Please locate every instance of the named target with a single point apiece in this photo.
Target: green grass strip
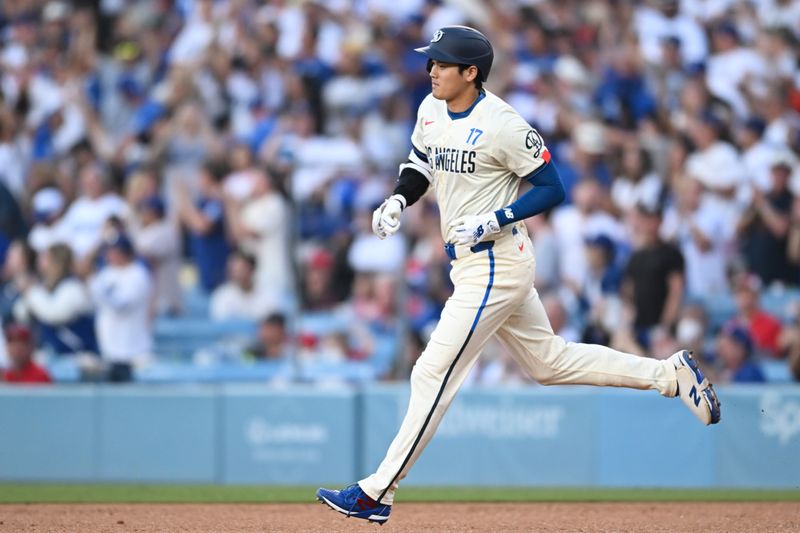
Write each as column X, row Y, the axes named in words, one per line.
column 116, row 493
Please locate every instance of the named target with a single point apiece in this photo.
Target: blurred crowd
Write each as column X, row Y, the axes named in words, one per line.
column 156, row 149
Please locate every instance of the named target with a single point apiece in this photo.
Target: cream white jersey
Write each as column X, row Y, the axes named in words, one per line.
column 474, row 160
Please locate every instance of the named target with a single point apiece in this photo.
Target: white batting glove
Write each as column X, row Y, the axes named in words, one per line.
column 386, row 218
column 473, row 229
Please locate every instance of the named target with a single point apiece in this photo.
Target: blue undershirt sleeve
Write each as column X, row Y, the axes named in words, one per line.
column 547, row 192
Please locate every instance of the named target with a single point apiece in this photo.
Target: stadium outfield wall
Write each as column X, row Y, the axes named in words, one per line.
column 524, row 436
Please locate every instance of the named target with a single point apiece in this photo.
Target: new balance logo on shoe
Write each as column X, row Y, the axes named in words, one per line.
column 694, row 396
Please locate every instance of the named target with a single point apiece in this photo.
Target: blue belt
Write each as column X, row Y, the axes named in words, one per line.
column 450, row 249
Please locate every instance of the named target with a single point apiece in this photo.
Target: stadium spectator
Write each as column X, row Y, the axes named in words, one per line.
column 764, row 228
column 157, row 241
column 763, row 328
column 239, row 185
column 716, row 164
column 19, row 269
column 653, row 281
column 657, row 20
column 369, row 314
column 19, row 343
column 793, row 238
column 188, row 139
column 12, row 223
column 668, row 77
column 83, row 222
column 383, row 132
column 757, row 157
column 789, row 340
column 546, row 248
column 734, row 349
column 239, row 298
column 585, row 160
column 48, row 207
column 59, row 305
column 694, row 225
column 273, row 343
column 622, row 95
column 318, row 291
column 205, row 223
column 141, row 184
column 603, row 276
column 636, row 180
column 733, row 71
column 691, row 332
column 12, row 153
column 261, row 226
column 773, row 107
column 121, row 291
column 318, row 158
column 3, row 353
column 598, row 298
column 574, row 223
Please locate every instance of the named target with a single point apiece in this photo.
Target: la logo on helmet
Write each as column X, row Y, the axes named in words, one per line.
column 437, row 36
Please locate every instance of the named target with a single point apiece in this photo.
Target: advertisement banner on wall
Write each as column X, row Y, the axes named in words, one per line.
column 493, row 437
column 294, row 436
column 760, row 439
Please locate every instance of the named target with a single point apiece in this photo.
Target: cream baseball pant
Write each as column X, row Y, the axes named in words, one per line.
column 494, row 295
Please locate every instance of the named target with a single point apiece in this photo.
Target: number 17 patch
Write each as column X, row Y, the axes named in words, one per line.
column 474, row 133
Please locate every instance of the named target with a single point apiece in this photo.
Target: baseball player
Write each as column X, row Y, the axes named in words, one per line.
column 473, row 149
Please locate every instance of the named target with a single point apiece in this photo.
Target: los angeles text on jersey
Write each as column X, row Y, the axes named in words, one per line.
column 451, row 159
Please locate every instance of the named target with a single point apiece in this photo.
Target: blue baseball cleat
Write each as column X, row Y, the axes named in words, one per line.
column 352, row 501
column 694, row 388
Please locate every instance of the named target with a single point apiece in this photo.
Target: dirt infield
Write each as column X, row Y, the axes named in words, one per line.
column 540, row 517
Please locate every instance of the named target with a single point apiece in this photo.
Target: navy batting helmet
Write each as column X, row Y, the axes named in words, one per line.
column 461, row 45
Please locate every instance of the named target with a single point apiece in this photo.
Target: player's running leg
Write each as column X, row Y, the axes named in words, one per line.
column 550, row 360
column 479, row 304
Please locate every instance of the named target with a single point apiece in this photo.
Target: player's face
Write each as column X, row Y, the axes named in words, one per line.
column 447, row 83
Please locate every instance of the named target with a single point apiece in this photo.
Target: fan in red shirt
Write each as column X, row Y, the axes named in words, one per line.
column 20, row 352
column 762, row 326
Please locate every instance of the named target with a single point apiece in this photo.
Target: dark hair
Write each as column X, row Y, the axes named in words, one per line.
column 61, row 259
column 248, row 258
column 84, row 145
column 275, row 319
column 477, row 81
column 217, row 169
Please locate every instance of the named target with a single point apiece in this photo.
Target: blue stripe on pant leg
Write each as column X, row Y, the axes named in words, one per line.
column 447, row 376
